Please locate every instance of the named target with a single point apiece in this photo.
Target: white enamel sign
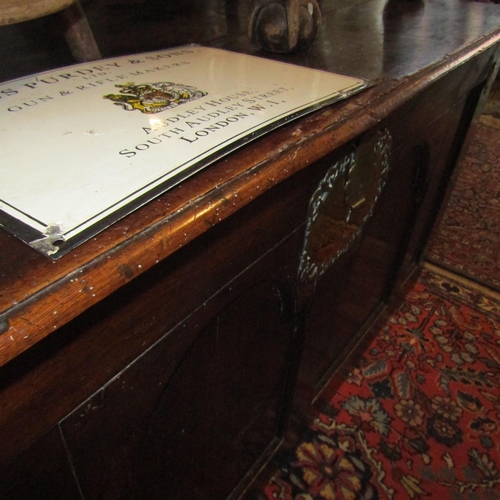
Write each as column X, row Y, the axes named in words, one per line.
column 82, row 146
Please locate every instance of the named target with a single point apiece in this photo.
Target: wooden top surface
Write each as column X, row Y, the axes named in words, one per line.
column 402, row 48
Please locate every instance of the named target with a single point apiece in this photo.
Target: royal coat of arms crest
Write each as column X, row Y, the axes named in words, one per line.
column 154, row 97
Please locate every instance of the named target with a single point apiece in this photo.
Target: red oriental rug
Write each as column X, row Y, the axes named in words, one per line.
column 419, row 417
column 467, row 240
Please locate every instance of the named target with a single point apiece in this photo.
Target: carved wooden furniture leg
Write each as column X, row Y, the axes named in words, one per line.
column 284, row 25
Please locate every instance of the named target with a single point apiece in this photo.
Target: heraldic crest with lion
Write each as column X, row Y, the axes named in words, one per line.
column 154, row 97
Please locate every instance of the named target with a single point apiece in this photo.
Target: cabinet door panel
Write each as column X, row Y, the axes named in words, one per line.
column 42, row 472
column 210, row 389
column 353, row 289
column 229, row 409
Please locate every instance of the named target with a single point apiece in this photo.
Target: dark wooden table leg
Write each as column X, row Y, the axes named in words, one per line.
column 79, row 34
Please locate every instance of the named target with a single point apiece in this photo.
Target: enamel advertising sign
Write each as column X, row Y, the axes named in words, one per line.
column 83, row 146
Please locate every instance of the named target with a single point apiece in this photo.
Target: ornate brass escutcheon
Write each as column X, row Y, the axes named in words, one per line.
column 343, row 203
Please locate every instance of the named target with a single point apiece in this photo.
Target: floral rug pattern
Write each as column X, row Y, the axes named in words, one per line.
column 467, row 240
column 419, row 417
